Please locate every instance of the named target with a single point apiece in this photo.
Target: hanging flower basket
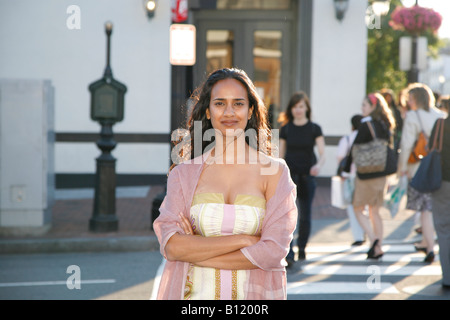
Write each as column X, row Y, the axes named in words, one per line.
column 415, row 20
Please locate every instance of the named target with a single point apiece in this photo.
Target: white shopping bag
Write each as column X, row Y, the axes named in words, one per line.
column 395, row 194
column 337, row 193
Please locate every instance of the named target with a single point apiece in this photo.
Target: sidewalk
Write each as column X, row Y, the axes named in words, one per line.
column 72, row 210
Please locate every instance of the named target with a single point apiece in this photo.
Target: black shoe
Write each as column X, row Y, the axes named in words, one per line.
column 371, row 252
column 357, row 243
column 429, row 258
column 375, row 257
column 420, row 249
column 301, row 255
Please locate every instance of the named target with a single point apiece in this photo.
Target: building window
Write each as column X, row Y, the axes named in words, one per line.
column 219, row 51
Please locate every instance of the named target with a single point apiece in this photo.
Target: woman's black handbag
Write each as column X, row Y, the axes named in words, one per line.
column 428, row 177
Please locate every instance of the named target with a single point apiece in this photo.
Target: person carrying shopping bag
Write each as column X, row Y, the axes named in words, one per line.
column 418, row 123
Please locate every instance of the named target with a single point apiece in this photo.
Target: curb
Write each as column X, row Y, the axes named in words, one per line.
column 70, row 245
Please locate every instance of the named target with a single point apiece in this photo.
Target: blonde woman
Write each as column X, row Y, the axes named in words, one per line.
column 421, row 117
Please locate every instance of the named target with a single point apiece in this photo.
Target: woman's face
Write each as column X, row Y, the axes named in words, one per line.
column 299, row 110
column 229, row 108
column 412, row 102
column 366, row 108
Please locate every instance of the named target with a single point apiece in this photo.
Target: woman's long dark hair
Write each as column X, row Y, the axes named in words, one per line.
column 201, row 99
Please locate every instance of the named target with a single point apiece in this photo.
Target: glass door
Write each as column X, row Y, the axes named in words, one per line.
column 259, row 48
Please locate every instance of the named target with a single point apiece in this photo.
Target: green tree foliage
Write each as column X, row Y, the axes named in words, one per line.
column 383, row 55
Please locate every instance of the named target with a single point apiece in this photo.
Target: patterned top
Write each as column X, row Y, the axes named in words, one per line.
column 211, row 217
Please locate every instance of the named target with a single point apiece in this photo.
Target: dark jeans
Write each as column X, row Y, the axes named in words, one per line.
column 306, row 188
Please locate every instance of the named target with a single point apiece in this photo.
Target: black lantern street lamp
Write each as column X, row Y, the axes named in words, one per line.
column 340, row 7
column 107, row 103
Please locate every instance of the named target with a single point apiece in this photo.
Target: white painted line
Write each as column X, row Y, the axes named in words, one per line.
column 157, row 280
column 349, row 257
column 335, row 249
column 399, row 248
column 395, row 270
column 331, row 287
column 52, row 283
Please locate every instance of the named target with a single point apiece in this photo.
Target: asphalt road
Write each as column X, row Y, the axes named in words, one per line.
column 106, row 275
column 331, row 272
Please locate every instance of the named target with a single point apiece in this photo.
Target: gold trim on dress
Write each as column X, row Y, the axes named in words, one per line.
column 234, row 288
column 217, row 276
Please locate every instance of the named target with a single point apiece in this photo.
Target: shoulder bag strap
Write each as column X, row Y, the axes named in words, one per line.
column 438, row 135
column 441, row 134
column 369, row 124
column 420, row 122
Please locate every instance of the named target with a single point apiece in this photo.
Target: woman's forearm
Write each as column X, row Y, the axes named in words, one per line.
column 189, row 248
column 235, row 260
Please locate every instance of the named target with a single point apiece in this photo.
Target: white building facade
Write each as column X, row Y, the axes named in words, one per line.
column 296, row 45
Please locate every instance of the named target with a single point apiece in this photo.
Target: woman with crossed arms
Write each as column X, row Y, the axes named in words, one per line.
column 227, row 221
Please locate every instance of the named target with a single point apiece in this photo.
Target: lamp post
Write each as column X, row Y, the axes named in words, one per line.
column 413, row 74
column 107, row 103
column 150, row 7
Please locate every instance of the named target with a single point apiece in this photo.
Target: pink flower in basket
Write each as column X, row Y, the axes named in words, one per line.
column 415, row 20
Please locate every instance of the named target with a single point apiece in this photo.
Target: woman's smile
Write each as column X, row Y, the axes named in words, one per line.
column 229, row 123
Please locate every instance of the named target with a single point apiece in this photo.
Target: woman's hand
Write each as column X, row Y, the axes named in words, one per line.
column 185, row 225
column 314, row 171
column 403, row 173
column 217, row 252
column 188, row 230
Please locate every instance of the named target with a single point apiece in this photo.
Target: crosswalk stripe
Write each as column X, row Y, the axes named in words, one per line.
column 394, row 270
column 335, row 287
column 387, row 257
column 402, row 248
column 339, row 260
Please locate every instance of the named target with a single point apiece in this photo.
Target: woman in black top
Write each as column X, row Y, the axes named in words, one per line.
column 298, row 137
column 370, row 187
column 441, row 204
